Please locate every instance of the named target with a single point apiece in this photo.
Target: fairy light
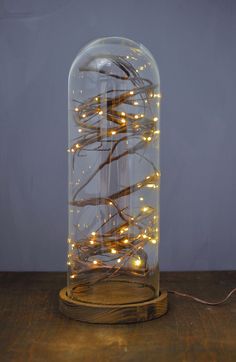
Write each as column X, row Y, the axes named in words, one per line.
column 137, row 262
column 121, row 232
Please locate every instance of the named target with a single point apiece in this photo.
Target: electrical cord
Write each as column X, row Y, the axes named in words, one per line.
column 202, row 301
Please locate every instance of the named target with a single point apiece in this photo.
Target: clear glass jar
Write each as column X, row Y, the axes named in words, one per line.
column 114, row 175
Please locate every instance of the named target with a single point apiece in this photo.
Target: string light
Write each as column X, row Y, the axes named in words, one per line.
column 128, row 228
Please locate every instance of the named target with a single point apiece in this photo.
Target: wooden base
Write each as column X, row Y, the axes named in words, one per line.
column 113, row 313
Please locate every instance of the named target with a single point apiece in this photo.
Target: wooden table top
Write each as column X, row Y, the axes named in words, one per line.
column 32, row 328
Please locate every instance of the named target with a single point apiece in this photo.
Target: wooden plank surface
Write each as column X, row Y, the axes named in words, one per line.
column 32, row 328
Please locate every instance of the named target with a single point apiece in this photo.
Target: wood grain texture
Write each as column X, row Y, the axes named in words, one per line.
column 113, row 313
column 33, row 329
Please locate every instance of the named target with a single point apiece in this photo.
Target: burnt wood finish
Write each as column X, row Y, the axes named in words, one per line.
column 113, row 313
column 33, row 329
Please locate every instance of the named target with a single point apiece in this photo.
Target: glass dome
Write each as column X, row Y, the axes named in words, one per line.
column 114, row 174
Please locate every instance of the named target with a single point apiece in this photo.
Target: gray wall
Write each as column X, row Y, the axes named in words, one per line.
column 194, row 44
